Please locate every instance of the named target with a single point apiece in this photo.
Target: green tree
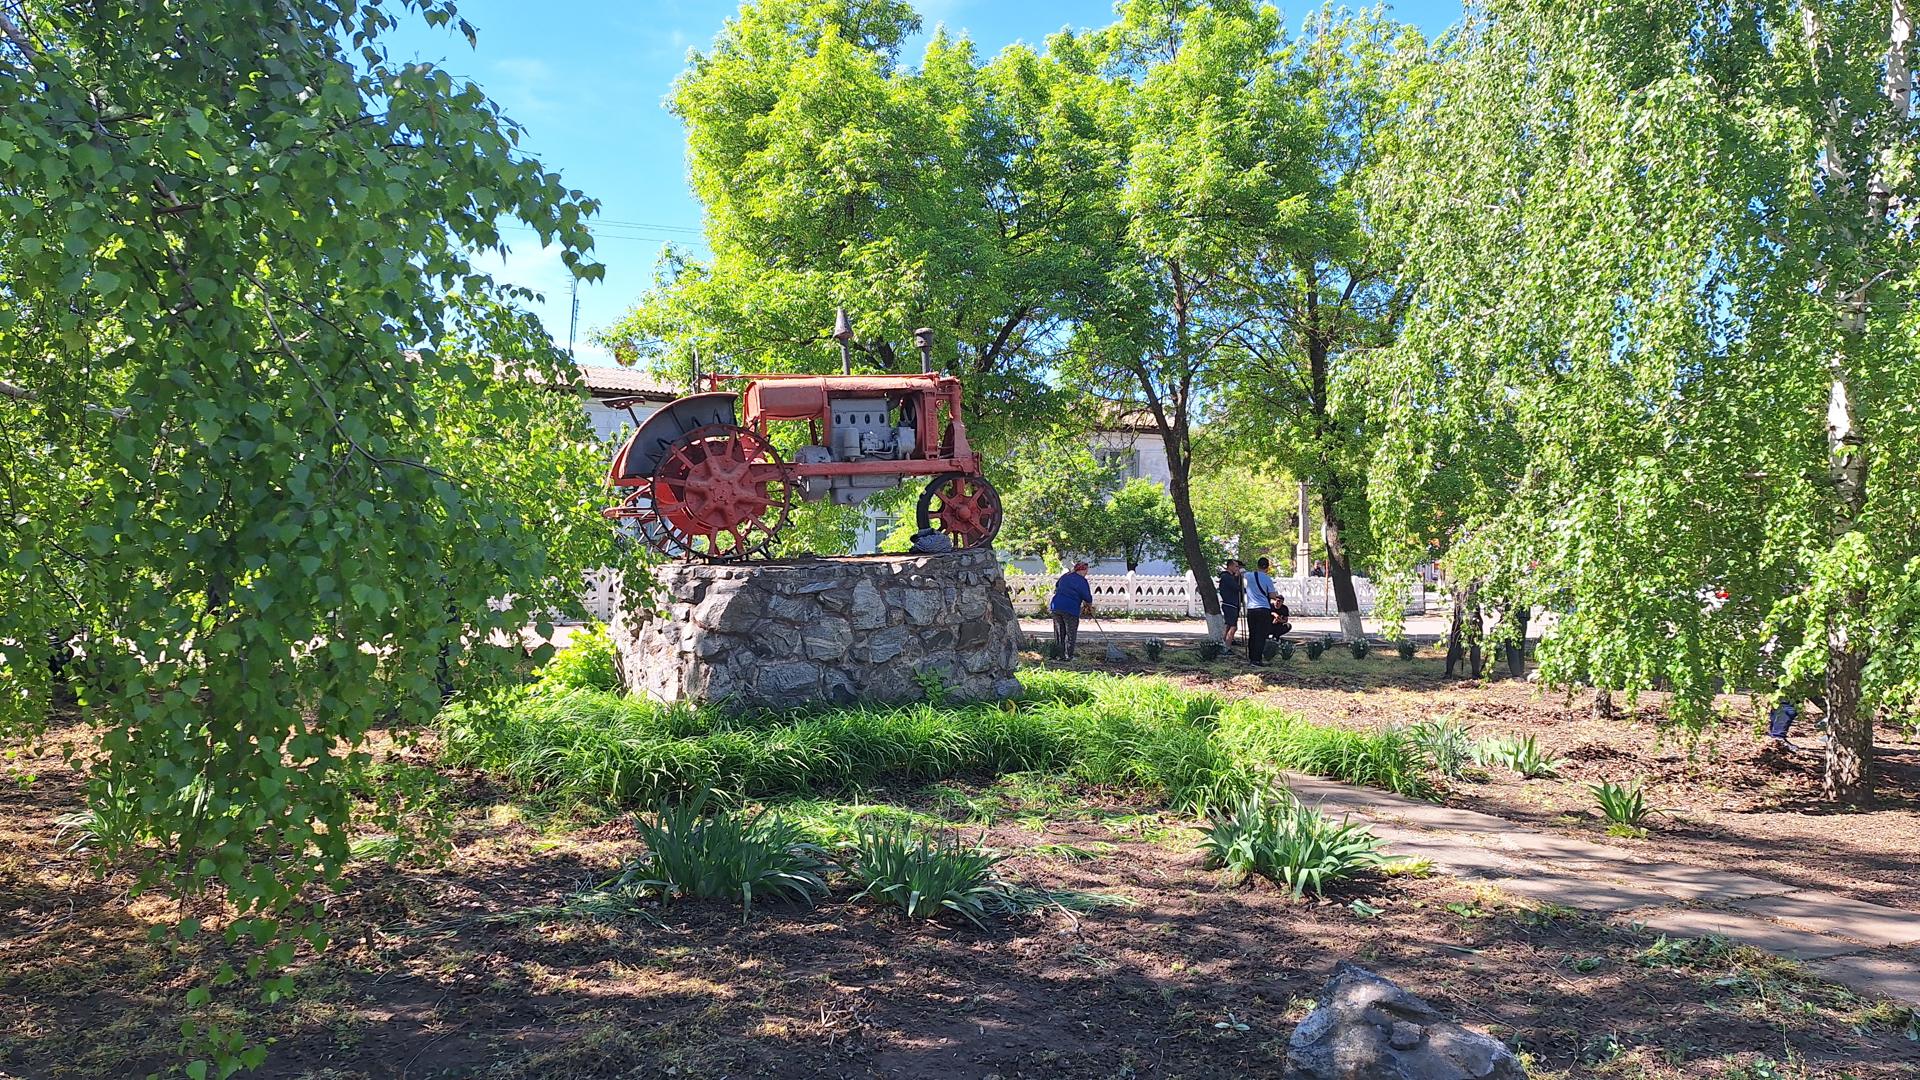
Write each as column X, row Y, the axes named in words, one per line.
column 1138, row 523
column 1328, row 291
column 1216, row 165
column 1659, row 354
column 1054, row 499
column 950, row 195
column 273, row 460
column 1244, row 511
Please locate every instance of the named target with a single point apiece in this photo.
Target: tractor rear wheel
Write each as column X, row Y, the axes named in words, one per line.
column 721, row 494
column 966, row 508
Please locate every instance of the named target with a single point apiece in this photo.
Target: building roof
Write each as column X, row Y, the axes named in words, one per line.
column 607, row 382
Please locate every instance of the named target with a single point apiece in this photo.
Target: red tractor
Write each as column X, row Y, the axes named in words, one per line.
column 702, row 479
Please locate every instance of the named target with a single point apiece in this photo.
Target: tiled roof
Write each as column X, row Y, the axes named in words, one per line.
column 625, row 382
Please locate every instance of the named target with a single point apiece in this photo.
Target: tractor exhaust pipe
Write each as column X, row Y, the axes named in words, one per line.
column 843, row 333
column 923, row 340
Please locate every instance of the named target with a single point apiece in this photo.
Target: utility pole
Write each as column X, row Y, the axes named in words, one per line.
column 573, row 324
column 1302, row 551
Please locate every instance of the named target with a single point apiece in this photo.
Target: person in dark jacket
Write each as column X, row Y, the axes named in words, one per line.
column 1072, row 595
column 1232, row 596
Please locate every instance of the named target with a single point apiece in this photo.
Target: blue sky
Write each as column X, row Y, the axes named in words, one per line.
column 587, row 79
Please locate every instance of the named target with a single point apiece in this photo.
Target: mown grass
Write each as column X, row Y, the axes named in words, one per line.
column 1193, row 750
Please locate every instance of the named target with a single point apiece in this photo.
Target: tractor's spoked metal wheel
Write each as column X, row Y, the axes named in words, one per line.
column 966, row 508
column 638, row 518
column 721, row 494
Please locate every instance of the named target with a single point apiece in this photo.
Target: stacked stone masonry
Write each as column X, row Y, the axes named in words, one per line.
column 835, row 630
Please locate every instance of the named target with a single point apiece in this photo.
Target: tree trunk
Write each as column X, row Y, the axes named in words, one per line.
column 1178, row 486
column 1603, row 704
column 1455, row 632
column 1849, row 763
column 1476, row 662
column 1516, row 649
column 1345, row 600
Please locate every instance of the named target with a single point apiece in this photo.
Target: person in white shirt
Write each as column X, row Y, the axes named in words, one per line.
column 1260, row 596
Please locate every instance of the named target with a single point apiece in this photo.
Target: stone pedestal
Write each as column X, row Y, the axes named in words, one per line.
column 809, row 630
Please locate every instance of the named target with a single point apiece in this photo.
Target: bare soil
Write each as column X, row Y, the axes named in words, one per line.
column 456, row 971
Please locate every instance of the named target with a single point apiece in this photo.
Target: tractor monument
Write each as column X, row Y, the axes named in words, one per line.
column 701, row 482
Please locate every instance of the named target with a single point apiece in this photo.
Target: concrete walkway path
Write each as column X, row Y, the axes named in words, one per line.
column 1863, row 946
column 1419, row 628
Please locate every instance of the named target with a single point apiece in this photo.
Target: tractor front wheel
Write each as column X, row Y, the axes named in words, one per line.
column 966, row 508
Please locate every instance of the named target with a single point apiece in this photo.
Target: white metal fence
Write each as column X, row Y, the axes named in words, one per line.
column 1138, row 594
column 1177, row 594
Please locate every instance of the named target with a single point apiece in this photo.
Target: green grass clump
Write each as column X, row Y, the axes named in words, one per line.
column 1146, row 735
column 1270, row 833
column 1447, row 744
column 724, row 856
column 1624, row 805
column 1259, row 735
column 928, row 876
column 585, row 664
column 1523, row 755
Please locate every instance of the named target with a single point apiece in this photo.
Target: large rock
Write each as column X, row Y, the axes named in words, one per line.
column 798, row 631
column 1368, row 1028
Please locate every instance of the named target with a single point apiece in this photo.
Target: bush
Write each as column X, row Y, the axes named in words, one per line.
column 1358, row 647
column 585, row 664
column 1210, row 651
column 926, row 877
column 1154, row 647
column 1626, row 807
column 1271, row 649
column 1404, row 648
column 1257, row 735
column 1286, row 649
column 1271, row 834
column 1446, row 744
column 725, row 856
column 1315, row 648
column 1522, row 755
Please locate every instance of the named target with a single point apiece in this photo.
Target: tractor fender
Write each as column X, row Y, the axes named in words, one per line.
column 639, row 457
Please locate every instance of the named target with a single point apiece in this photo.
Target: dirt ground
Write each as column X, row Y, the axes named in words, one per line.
column 473, row 969
column 1732, row 798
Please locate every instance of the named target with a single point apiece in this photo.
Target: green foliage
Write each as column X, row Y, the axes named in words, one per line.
column 1154, row 647
column 927, row 876
column 1137, row 524
column 1054, row 498
column 1404, row 649
column 1624, row 805
column 1316, row 648
column 1136, row 734
column 1615, row 392
column 1286, row 649
column 723, row 856
column 1243, row 510
column 274, row 456
column 585, row 664
column 1270, row 833
column 1261, row 736
column 1523, row 755
column 1359, row 647
column 1446, row 744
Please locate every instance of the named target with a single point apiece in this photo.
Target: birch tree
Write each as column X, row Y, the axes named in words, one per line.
column 1662, row 346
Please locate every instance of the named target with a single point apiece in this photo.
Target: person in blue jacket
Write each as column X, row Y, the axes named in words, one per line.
column 1072, row 596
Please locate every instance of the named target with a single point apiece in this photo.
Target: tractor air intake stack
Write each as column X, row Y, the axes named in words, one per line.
column 923, row 340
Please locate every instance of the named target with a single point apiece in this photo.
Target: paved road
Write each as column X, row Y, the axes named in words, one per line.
column 1857, row 944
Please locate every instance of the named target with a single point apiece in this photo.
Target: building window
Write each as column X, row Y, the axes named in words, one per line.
column 1123, row 460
